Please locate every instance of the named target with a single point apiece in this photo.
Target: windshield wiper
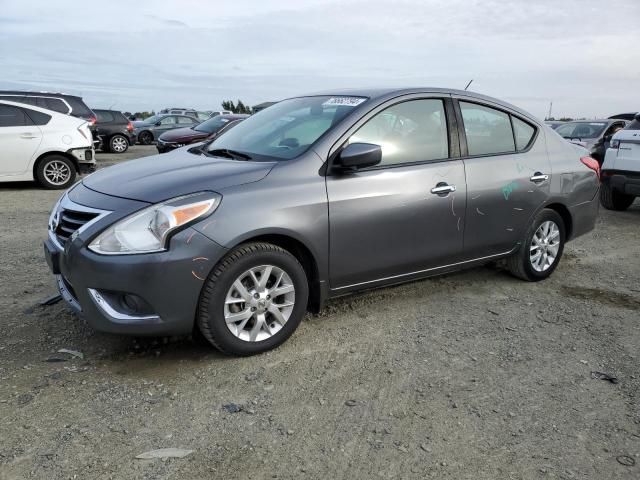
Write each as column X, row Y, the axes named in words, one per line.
column 228, row 153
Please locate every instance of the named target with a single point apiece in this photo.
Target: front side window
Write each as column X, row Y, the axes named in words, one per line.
column 523, row 132
column 288, row 128
column 12, row 117
column 488, row 130
column 168, row 121
column 413, row 131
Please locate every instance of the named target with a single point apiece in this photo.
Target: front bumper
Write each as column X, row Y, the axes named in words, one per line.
column 624, row 182
column 144, row 294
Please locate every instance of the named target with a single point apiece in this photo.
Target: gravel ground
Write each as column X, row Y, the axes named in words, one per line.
column 474, row 375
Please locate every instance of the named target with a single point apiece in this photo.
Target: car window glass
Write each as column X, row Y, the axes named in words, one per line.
column 168, row 121
column 412, row 131
column 581, row 129
column 28, row 100
column 488, row 130
column 523, row 132
column 183, row 120
column 56, row 105
column 12, row 117
column 38, row 118
column 104, row 117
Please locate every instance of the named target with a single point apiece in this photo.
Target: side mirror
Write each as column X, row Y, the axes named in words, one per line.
column 358, row 155
column 157, row 124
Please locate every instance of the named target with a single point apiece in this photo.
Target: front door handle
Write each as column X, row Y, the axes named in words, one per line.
column 442, row 188
column 539, row 177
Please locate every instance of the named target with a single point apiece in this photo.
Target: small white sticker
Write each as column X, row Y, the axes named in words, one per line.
column 344, row 101
column 596, row 124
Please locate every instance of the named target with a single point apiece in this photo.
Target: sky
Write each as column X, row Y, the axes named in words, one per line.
column 582, row 55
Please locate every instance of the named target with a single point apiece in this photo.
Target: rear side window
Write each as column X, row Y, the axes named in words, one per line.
column 186, row 120
column 13, row 117
column 408, row 132
column 488, row 130
column 56, row 105
column 104, row 117
column 168, row 121
column 523, row 132
column 38, row 118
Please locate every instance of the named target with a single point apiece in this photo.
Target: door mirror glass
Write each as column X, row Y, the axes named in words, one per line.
column 359, row 155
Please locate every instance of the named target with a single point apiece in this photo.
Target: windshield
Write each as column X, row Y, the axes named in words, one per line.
column 153, row 119
column 212, row 125
column 581, row 129
column 286, row 129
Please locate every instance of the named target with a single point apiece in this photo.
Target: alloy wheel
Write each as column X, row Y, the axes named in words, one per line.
column 544, row 247
column 259, row 303
column 57, row 172
column 118, row 144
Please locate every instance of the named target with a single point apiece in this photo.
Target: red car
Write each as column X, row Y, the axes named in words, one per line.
column 206, row 130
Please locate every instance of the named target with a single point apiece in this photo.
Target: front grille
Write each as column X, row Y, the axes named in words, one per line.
column 69, row 222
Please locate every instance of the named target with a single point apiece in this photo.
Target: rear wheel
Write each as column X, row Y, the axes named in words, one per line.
column 541, row 248
column 55, row 172
column 145, row 138
column 613, row 200
column 253, row 300
column 118, row 144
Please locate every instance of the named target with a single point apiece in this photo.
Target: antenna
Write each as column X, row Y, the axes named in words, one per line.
column 468, row 84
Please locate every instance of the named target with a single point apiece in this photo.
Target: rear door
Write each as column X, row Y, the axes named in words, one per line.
column 507, row 170
column 387, row 221
column 19, row 138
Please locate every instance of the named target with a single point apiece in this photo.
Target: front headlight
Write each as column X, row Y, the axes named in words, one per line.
column 148, row 230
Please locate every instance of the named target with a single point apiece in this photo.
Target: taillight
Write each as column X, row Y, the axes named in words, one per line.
column 130, row 127
column 592, row 163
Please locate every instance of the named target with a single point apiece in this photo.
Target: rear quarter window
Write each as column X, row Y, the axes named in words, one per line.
column 56, row 104
column 79, row 109
column 523, row 132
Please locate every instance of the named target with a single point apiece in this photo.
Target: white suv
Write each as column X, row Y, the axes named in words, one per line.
column 621, row 168
column 43, row 145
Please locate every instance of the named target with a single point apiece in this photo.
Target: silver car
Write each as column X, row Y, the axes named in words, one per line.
column 313, row 198
column 148, row 130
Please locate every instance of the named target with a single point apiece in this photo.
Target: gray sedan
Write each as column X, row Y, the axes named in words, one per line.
column 316, row 197
column 148, row 130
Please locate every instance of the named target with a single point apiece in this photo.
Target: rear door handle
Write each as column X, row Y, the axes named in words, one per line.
column 539, row 177
column 28, row 135
column 443, row 188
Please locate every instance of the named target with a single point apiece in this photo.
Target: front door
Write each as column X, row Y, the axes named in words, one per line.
column 19, row 139
column 405, row 215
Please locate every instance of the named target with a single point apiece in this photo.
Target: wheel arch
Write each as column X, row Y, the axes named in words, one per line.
column 68, row 156
column 303, row 254
column 565, row 214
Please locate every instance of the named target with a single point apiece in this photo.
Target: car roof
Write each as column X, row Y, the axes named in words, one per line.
column 37, row 109
column 36, row 94
column 389, row 93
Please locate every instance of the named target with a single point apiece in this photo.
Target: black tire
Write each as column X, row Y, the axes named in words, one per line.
column 519, row 264
column 59, row 162
column 145, row 138
column 210, row 314
column 118, row 144
column 612, row 200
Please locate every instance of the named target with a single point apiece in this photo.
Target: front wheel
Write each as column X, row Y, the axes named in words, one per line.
column 613, row 200
column 253, row 300
column 145, row 138
column 55, row 172
column 541, row 248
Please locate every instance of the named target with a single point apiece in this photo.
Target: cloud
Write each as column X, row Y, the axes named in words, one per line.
column 574, row 53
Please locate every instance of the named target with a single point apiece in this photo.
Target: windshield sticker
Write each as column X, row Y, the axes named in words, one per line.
column 597, row 124
column 344, row 101
column 224, row 120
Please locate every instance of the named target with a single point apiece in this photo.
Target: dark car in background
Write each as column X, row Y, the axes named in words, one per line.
column 114, row 131
column 209, row 129
column 594, row 135
column 149, row 130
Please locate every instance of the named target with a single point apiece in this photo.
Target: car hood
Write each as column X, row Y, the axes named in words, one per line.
column 181, row 134
column 161, row 177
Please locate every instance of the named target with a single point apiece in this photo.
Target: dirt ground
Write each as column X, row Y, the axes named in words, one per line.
column 474, row 375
